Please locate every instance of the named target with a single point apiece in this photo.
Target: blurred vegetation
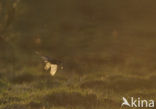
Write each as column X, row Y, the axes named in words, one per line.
column 107, row 48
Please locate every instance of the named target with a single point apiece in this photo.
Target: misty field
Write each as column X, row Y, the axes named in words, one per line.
column 107, row 49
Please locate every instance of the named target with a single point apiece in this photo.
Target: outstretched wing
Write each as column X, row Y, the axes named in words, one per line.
column 45, row 59
column 53, row 69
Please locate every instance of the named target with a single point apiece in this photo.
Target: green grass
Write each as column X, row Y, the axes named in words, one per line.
column 35, row 90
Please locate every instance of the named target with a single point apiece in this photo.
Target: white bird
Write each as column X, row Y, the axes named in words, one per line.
column 125, row 102
column 52, row 67
column 50, row 64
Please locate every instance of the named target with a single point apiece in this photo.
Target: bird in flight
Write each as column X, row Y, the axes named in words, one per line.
column 50, row 64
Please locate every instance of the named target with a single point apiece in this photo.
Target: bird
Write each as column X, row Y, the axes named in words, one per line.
column 50, row 64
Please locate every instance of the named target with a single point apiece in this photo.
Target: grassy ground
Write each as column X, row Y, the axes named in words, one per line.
column 30, row 87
